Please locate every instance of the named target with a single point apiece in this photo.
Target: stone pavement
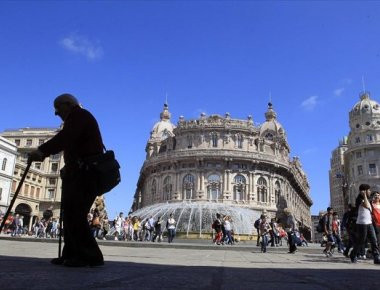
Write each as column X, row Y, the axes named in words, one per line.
column 24, row 264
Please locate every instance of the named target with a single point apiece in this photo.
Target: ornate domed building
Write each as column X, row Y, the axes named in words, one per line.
column 362, row 159
column 220, row 164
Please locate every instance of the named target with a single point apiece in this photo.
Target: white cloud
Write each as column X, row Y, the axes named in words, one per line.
column 81, row 45
column 310, row 103
column 338, row 92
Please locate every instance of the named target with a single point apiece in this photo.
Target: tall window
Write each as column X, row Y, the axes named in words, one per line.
column 188, row 186
column 277, row 192
column 50, row 193
column 167, row 188
column 4, row 164
column 239, row 187
column 357, row 140
column 213, row 187
column 1, row 193
column 26, row 189
column 372, row 169
column 54, row 167
column 17, row 141
column 189, row 141
column 32, row 191
column 41, row 141
column 360, row 170
column 153, row 189
column 14, row 185
column 214, row 138
column 28, row 142
column 240, row 141
column 358, row 154
column 38, row 192
column 369, row 138
column 262, row 190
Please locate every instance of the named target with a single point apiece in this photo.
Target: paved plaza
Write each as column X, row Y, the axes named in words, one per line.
column 183, row 265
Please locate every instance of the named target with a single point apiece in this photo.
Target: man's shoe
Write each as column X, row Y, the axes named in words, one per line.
column 57, row 261
column 75, row 263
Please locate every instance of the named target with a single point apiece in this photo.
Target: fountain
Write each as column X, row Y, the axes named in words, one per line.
column 197, row 217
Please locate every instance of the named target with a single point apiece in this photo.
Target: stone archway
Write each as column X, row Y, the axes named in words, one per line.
column 24, row 210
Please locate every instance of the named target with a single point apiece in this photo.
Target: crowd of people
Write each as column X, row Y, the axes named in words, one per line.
column 360, row 228
column 356, row 236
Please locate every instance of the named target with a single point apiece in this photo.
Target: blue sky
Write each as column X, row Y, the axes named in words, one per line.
column 120, row 58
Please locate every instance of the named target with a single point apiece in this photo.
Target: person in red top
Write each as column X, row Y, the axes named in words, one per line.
column 79, row 138
column 376, row 214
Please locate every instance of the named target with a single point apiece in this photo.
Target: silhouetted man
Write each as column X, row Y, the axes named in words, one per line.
column 79, row 138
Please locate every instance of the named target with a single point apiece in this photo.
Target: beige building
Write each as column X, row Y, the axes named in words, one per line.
column 362, row 159
column 362, row 151
column 220, row 160
column 42, row 186
column 8, row 154
column 337, row 178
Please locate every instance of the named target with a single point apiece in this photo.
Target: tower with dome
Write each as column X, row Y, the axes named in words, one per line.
column 359, row 159
column 220, row 164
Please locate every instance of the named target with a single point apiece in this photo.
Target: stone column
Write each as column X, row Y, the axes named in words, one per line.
column 177, row 186
column 228, row 180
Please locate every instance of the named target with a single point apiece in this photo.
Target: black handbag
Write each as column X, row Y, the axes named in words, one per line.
column 104, row 170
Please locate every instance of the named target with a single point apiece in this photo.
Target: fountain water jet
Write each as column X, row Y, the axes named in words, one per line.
column 197, row 217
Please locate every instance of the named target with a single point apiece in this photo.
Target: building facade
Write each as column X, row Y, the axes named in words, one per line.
column 337, row 179
column 8, row 154
column 362, row 152
column 218, row 159
column 42, row 185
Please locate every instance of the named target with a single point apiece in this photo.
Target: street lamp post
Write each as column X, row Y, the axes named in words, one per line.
column 345, row 188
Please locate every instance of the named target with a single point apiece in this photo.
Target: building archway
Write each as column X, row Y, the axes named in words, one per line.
column 24, row 210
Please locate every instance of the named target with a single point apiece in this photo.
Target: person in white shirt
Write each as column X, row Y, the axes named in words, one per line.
column 118, row 225
column 364, row 226
column 170, row 225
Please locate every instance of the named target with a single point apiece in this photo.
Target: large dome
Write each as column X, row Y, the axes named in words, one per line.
column 365, row 113
column 366, row 105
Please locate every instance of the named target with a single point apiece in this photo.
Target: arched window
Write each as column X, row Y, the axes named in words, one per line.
column 262, row 190
column 277, row 192
column 4, row 164
column 214, row 138
column 239, row 187
column 168, row 188
column 153, row 189
column 188, row 186
column 213, row 187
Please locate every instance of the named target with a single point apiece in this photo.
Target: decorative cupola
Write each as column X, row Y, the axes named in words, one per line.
column 271, row 127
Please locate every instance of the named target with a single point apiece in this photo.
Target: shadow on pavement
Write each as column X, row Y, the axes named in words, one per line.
column 34, row 273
